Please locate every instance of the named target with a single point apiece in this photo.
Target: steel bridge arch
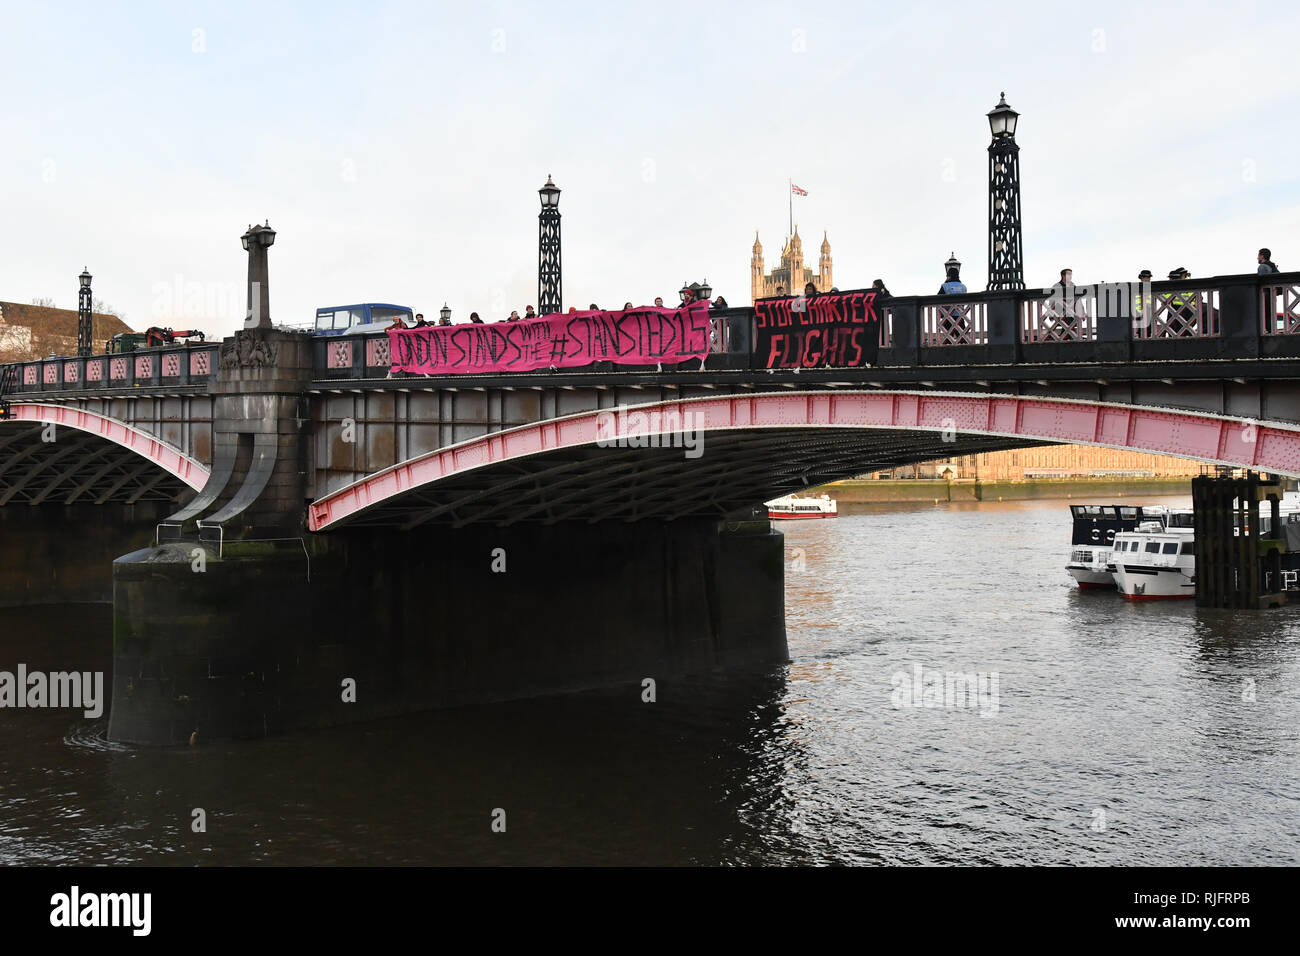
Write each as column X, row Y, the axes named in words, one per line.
column 1006, row 421
column 166, row 456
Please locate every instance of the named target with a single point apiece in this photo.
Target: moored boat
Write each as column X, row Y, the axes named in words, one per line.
column 793, row 506
column 1155, row 561
column 1095, row 528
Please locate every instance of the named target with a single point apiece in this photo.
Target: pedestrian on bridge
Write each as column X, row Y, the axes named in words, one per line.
column 473, row 317
column 1266, row 266
column 529, row 312
column 878, row 287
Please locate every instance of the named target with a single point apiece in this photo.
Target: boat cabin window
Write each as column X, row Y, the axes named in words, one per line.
column 1153, row 547
column 1128, row 514
column 1189, row 547
column 1171, row 547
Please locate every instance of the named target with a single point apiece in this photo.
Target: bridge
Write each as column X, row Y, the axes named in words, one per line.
column 299, row 466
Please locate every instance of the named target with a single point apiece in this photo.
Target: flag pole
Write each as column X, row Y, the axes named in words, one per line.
column 789, row 195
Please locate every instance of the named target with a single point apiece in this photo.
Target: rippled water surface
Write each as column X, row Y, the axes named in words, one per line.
column 1123, row 734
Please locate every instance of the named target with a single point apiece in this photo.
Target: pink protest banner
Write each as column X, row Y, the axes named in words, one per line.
column 644, row 336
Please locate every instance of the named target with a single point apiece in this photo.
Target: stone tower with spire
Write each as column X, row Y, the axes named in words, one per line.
column 791, row 274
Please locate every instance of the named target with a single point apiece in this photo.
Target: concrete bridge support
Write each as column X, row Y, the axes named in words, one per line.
column 249, row 644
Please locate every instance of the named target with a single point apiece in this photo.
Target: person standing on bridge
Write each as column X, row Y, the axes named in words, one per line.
column 529, row 312
column 1266, row 266
column 473, row 317
column 878, row 287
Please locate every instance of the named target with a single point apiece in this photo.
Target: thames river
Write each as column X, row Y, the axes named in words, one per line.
column 951, row 699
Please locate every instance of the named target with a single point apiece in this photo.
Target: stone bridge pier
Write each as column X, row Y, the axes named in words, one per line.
column 239, row 622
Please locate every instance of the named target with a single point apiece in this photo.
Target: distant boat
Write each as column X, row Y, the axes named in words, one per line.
column 792, row 506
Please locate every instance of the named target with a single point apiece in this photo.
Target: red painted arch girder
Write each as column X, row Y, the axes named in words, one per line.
column 165, row 455
column 1271, row 447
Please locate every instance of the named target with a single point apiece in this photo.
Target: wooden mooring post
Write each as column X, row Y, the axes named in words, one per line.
column 1235, row 566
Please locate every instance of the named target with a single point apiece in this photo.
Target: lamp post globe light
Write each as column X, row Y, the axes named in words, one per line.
column 952, row 263
column 84, row 315
column 256, row 241
column 444, row 314
column 1006, row 257
column 548, row 250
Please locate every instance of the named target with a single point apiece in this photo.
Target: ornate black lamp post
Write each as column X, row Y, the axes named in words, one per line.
column 84, row 315
column 1006, row 260
column 548, row 250
column 444, row 315
column 256, row 241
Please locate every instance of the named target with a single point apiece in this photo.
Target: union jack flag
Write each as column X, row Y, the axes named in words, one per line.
column 797, row 191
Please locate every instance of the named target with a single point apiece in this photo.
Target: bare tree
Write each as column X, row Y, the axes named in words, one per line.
column 103, row 308
column 44, row 301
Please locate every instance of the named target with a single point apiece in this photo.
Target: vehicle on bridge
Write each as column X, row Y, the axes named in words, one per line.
column 151, row 338
column 366, row 317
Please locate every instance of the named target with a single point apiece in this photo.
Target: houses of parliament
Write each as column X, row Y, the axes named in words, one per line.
column 789, row 278
column 791, row 275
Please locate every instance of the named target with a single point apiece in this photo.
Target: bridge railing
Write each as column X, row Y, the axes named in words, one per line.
column 1240, row 316
column 172, row 365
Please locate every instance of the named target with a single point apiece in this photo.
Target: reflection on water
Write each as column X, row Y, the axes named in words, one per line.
column 1125, row 733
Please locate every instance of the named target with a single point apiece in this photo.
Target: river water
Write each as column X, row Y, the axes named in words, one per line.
column 1101, row 732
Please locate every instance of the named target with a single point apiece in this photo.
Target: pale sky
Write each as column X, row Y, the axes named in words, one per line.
column 397, row 147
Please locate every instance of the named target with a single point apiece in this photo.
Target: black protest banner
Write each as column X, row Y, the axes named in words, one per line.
column 837, row 330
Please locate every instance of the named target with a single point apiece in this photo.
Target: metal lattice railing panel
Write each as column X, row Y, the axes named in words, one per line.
column 1069, row 317
column 378, row 352
column 95, row 370
column 1179, row 314
column 961, row 323
column 200, row 363
column 117, row 370
column 1279, row 312
column 29, row 375
column 70, row 372
column 144, row 366
column 339, row 355
column 171, row 365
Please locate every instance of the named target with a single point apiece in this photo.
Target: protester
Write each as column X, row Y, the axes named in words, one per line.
column 444, row 320
column 627, row 305
column 1266, row 266
column 780, row 290
column 529, row 313
column 809, row 290
column 878, row 286
column 419, row 321
column 473, row 317
column 594, row 307
column 513, row 316
column 719, row 303
column 954, row 285
column 659, row 302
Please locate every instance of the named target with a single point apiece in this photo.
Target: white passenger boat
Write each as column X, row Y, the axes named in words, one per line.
column 1095, row 527
column 1156, row 561
column 793, row 506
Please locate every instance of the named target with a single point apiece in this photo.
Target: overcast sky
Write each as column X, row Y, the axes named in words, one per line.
column 397, row 147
